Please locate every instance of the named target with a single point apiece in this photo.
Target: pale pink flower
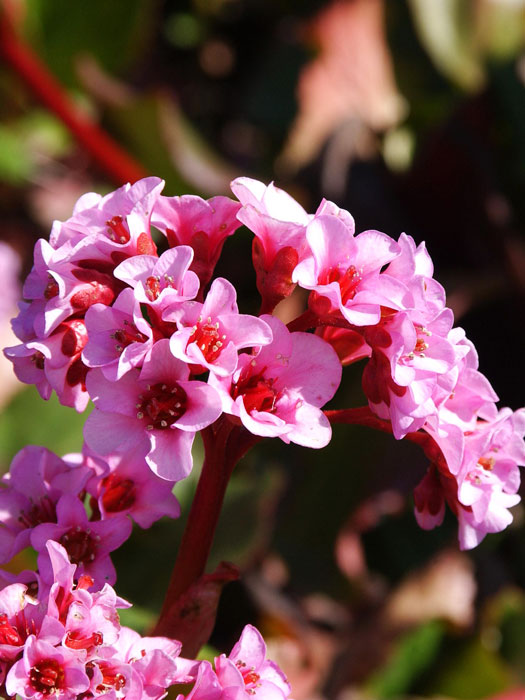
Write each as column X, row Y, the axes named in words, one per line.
column 344, row 272
column 157, row 410
column 202, row 224
column 46, row 670
column 248, row 668
column 119, row 336
column 211, row 334
column 278, row 392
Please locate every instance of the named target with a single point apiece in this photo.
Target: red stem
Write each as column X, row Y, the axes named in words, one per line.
column 108, row 155
column 364, row 416
column 224, row 445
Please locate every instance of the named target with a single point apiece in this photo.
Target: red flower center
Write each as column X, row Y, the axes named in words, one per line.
column 42, row 512
column 155, row 284
column 249, row 675
column 8, row 634
column 162, row 406
column 257, row 392
column 127, row 335
column 46, row 676
column 119, row 494
column 208, row 337
column 348, row 281
column 80, row 545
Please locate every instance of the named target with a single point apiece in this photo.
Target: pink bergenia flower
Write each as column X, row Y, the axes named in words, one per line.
column 118, row 221
column 489, row 476
column 157, row 410
column 211, row 334
column 279, row 391
column 88, row 544
column 119, row 336
column 160, row 282
column 129, row 487
column 401, row 376
column 247, row 668
column 37, row 479
column 46, row 670
column 20, row 616
column 202, row 224
column 344, row 272
column 278, row 223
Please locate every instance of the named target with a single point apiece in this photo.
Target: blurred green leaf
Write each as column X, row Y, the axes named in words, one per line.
column 473, row 672
column 413, row 654
column 114, row 32
column 139, row 619
column 30, row 420
column 16, row 165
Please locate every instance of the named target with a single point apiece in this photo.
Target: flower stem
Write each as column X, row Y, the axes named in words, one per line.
column 106, row 153
column 224, row 445
column 364, row 416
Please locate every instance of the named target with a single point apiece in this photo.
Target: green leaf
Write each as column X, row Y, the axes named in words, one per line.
column 30, row 420
column 413, row 654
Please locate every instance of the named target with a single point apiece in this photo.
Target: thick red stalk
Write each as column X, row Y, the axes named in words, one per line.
column 364, row 416
column 107, row 154
column 224, row 445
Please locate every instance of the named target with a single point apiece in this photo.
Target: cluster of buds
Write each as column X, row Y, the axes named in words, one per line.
column 135, row 321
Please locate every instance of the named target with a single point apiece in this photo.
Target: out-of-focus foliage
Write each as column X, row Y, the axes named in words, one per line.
column 409, row 113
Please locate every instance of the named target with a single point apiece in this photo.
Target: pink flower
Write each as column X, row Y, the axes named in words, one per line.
column 211, row 334
column 248, row 668
column 203, row 225
column 159, row 282
column 279, row 391
column 119, row 221
column 46, row 670
column 119, row 337
column 36, row 481
column 128, row 487
column 344, row 272
column 88, row 544
column 278, row 223
column 157, row 410
column 489, row 477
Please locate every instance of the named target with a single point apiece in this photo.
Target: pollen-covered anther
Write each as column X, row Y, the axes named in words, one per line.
column 117, row 229
column 207, row 337
column 487, row 463
column 421, row 346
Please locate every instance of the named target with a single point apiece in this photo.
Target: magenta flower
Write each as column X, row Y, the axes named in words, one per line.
column 203, row 225
column 211, row 334
column 117, row 222
column 344, row 272
column 157, row 410
column 279, row 391
column 119, row 337
column 88, row 544
column 278, row 223
column 36, row 481
column 46, row 670
column 248, row 668
column 129, row 488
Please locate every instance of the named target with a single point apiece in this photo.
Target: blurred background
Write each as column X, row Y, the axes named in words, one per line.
column 410, row 114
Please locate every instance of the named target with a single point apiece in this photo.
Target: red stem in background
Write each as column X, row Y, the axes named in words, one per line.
column 224, row 445
column 107, row 154
column 364, row 416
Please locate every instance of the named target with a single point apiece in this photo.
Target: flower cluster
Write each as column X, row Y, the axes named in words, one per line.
column 111, row 318
column 60, row 638
column 122, row 309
